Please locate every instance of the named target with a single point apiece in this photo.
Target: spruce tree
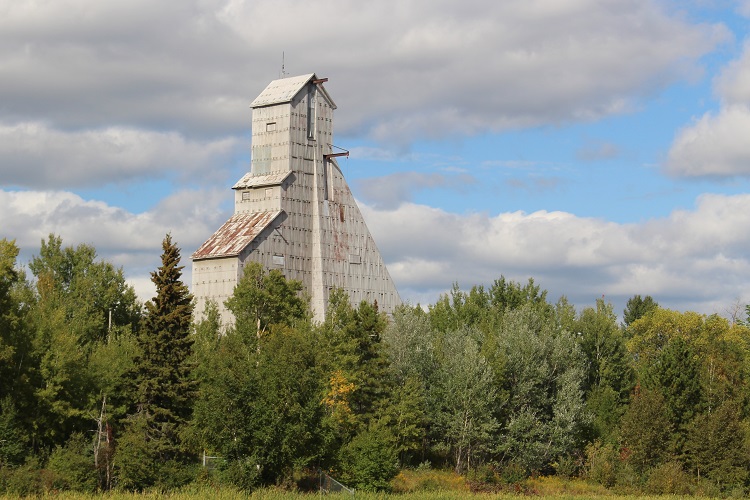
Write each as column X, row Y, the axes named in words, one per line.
column 164, row 389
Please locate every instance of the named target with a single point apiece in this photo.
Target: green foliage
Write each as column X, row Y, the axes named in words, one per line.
column 490, row 379
column 406, row 416
column 638, row 307
column 716, row 447
column 136, row 459
column 12, row 437
column 675, row 374
column 602, row 463
column 163, row 386
column 86, row 291
column 260, row 398
column 70, row 318
column 352, row 352
column 23, row 481
column 464, row 398
column 646, row 430
column 262, row 299
column 545, row 413
column 610, row 376
column 669, row 479
column 369, row 461
column 72, row 465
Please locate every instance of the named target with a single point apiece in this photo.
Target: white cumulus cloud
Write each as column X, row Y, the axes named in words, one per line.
column 716, row 144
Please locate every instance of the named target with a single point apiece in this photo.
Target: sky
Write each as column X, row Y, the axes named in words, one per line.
column 600, row 147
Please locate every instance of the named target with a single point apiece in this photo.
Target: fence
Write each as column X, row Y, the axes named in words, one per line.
column 330, row 485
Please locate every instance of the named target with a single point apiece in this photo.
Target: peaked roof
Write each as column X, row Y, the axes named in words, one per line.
column 284, row 89
column 235, row 235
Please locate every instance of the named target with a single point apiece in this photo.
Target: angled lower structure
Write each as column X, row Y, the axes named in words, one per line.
column 294, row 211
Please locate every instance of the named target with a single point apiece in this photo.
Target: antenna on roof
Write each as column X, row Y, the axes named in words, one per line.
column 283, row 73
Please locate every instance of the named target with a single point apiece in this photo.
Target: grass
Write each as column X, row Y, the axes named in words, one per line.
column 408, row 485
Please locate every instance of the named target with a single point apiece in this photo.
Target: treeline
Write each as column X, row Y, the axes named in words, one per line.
column 98, row 391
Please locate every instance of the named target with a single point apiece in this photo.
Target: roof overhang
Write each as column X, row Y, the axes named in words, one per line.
column 250, row 181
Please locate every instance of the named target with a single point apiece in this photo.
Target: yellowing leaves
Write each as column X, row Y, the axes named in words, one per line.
column 337, row 398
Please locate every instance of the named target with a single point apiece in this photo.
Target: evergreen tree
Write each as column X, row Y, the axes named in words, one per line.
column 716, row 448
column 646, row 430
column 677, row 376
column 638, row 307
column 164, row 389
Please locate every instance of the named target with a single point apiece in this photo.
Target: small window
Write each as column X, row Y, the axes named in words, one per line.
column 245, row 195
column 355, row 258
column 269, row 192
column 271, row 127
column 278, row 260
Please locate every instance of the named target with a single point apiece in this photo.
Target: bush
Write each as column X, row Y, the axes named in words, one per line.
column 244, row 473
column 25, row 480
column 602, row 463
column 669, row 479
column 369, row 462
column 513, row 473
column 72, row 466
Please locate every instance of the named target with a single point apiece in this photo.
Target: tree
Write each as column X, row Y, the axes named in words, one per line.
column 716, row 447
column 638, row 307
column 260, row 404
column 351, row 348
column 18, row 367
column 463, row 399
column 262, row 299
column 610, row 377
column 368, row 461
column 676, row 375
column 545, row 415
column 76, row 295
column 646, row 430
column 164, row 389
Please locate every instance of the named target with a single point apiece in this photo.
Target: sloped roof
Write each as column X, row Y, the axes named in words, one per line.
column 284, row 89
column 250, row 180
column 235, row 235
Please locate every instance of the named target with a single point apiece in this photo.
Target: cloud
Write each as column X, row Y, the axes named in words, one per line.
column 597, row 151
column 401, row 71
column 130, row 240
column 692, row 260
column 35, row 155
column 389, row 191
column 733, row 83
column 716, row 144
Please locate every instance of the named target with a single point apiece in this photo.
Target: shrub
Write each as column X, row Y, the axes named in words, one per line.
column 669, row 479
column 25, row 480
column 602, row 463
column 513, row 473
column 369, row 461
column 72, row 466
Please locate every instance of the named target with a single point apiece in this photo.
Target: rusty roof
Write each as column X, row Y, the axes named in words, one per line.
column 284, row 90
column 250, row 180
column 235, row 235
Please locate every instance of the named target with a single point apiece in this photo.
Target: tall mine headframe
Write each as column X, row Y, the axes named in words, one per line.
column 294, row 210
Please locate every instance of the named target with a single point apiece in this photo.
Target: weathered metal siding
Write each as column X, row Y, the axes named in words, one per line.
column 215, row 279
